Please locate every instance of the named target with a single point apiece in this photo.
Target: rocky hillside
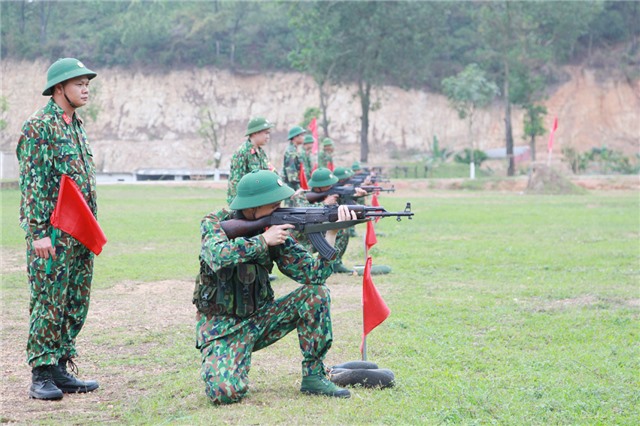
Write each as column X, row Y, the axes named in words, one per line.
column 146, row 119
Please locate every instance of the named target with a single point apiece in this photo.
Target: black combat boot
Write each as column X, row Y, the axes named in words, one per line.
column 42, row 385
column 67, row 382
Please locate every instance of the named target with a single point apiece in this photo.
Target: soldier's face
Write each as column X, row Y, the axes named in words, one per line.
column 261, row 138
column 297, row 140
column 77, row 90
column 266, row 210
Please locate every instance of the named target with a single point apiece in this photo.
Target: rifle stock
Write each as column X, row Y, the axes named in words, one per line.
column 313, row 221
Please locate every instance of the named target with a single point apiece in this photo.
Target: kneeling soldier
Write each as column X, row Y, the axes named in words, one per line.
column 237, row 311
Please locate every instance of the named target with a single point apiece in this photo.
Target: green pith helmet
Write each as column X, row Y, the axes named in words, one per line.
column 258, row 124
column 356, row 166
column 308, row 139
column 63, row 70
column 327, row 142
column 295, row 131
column 342, row 173
column 259, row 188
column 322, row 177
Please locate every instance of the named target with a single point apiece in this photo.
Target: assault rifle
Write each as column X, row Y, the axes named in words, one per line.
column 346, row 193
column 359, row 178
column 312, row 221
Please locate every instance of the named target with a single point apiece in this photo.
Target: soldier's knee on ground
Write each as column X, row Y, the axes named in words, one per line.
column 226, row 393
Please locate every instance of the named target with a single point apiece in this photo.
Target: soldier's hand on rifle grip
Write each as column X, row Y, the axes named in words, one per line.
column 359, row 192
column 276, row 234
column 331, row 200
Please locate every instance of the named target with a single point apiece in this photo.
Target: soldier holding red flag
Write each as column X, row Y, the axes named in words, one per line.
column 54, row 143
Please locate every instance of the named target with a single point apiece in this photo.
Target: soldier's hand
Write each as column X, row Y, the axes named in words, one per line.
column 331, row 200
column 359, row 192
column 276, row 234
column 43, row 248
column 344, row 214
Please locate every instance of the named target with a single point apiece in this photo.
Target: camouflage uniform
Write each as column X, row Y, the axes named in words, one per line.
column 244, row 160
column 226, row 341
column 291, row 166
column 53, row 144
column 308, row 165
column 325, row 159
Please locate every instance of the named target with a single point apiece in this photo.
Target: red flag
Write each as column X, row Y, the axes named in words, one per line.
column 330, row 165
column 313, row 127
column 374, row 309
column 303, row 178
column 551, row 134
column 375, row 203
column 73, row 216
column 370, row 239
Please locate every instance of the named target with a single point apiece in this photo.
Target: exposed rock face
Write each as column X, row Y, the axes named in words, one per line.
column 148, row 119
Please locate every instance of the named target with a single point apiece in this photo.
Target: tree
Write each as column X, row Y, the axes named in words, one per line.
column 362, row 43
column 467, row 91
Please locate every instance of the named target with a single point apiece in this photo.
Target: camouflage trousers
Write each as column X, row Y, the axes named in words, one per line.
column 59, row 300
column 226, row 358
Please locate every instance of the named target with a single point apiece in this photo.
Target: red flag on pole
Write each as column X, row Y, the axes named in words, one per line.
column 73, row 216
column 370, row 239
column 551, row 134
column 375, row 203
column 313, row 127
column 374, row 309
column 302, row 177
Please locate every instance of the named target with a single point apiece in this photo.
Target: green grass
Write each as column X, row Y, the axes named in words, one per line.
column 506, row 309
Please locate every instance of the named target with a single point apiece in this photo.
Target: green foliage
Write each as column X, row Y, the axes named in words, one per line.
column 601, row 160
column 466, row 157
column 469, row 90
column 4, row 108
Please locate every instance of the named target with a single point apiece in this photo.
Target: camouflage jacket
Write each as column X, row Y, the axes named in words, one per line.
column 219, row 252
column 291, row 166
column 245, row 159
column 325, row 160
column 308, row 165
column 52, row 145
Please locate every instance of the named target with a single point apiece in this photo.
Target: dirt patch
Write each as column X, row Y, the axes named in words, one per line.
column 124, row 322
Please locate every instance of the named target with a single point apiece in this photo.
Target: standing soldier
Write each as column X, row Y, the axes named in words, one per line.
column 305, row 155
column 250, row 156
column 325, row 157
column 292, row 158
column 54, row 143
column 237, row 311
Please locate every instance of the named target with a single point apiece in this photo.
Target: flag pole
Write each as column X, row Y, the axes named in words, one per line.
column 366, row 254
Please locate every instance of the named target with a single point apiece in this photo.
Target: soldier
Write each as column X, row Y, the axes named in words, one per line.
column 250, row 155
column 343, row 174
column 321, row 181
column 54, row 143
column 325, row 157
column 305, row 155
column 237, row 311
column 291, row 161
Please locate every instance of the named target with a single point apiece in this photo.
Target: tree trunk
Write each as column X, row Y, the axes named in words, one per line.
column 507, row 122
column 323, row 109
column 364, row 92
column 532, row 148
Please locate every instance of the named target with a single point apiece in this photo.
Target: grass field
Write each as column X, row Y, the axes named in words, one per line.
column 505, row 309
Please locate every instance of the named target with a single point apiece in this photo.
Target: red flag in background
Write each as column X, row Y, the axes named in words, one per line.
column 370, row 239
column 313, row 127
column 73, row 216
column 551, row 134
column 330, row 165
column 303, row 178
column 375, row 203
column 374, row 309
